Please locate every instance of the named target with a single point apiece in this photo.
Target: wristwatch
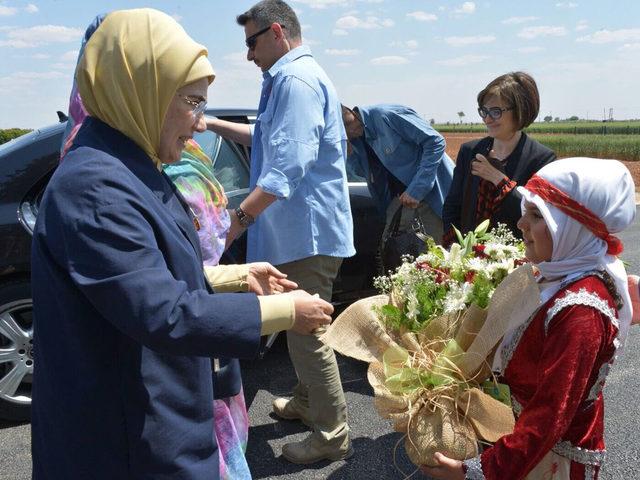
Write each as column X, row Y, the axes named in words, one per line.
column 245, row 219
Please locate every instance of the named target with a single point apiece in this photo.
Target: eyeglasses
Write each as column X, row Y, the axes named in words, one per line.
column 251, row 41
column 198, row 106
column 493, row 112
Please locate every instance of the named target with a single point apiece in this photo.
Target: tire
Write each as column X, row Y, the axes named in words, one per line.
column 16, row 350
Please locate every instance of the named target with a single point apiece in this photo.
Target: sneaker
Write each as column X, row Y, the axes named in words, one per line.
column 312, row 449
column 290, row 409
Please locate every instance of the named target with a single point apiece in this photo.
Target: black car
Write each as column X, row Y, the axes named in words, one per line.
column 26, row 165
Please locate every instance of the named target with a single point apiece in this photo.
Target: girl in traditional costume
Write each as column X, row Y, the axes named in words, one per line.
column 556, row 362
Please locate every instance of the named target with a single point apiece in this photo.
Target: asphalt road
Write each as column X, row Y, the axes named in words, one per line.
column 378, row 450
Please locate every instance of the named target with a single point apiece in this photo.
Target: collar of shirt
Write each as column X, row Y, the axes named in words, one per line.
column 369, row 132
column 289, row 57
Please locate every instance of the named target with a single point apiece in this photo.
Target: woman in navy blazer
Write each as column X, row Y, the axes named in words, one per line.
column 124, row 320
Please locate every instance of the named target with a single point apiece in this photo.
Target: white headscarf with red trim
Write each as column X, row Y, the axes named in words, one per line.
column 606, row 189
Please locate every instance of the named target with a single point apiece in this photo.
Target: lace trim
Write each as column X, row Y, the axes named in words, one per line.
column 582, row 297
column 580, row 455
column 510, row 347
column 589, row 473
column 474, row 469
column 516, row 406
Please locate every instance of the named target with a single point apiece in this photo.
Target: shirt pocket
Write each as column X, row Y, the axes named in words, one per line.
column 266, row 117
column 389, row 143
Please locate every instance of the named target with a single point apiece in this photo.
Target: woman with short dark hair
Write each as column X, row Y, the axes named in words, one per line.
column 488, row 170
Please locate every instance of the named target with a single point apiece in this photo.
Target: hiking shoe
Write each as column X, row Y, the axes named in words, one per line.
column 290, row 409
column 313, row 449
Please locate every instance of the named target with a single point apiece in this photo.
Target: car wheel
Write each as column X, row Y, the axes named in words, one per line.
column 16, row 350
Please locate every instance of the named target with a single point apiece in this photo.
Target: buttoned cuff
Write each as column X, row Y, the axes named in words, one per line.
column 228, row 278
column 278, row 313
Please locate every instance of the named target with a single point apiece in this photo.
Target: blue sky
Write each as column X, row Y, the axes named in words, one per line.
column 433, row 55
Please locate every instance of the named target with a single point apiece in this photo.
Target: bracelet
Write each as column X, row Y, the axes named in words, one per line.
column 244, row 218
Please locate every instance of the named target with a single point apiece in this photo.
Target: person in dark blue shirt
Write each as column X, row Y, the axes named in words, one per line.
column 404, row 162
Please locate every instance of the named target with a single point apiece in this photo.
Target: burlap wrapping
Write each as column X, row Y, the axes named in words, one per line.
column 442, row 327
column 442, row 430
column 471, row 323
column 357, row 332
column 450, row 423
column 514, row 300
column 489, row 418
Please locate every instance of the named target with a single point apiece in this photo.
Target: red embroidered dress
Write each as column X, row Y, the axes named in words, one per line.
column 555, row 365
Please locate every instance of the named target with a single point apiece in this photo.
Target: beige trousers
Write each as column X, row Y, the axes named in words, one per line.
column 431, row 221
column 319, row 388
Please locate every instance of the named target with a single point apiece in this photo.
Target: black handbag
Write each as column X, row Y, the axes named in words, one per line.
column 397, row 243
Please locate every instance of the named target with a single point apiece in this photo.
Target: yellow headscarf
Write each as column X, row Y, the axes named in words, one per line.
column 132, row 67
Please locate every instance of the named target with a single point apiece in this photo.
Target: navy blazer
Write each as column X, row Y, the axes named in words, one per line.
column 125, row 322
column 460, row 206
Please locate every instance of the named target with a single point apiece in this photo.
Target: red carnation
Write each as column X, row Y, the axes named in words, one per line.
column 479, row 251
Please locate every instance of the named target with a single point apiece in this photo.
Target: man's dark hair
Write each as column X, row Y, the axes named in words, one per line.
column 267, row 12
column 519, row 91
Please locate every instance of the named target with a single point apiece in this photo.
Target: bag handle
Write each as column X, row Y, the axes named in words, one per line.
column 395, row 222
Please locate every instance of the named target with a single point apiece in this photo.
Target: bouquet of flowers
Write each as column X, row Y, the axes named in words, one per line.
column 430, row 337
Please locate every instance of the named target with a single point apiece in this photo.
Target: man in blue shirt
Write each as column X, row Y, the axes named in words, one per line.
column 298, row 209
column 404, row 162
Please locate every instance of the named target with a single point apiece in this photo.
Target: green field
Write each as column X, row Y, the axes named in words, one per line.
column 620, row 147
column 581, row 127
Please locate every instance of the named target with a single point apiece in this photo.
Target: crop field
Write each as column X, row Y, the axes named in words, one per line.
column 612, row 139
column 621, row 147
column 631, row 127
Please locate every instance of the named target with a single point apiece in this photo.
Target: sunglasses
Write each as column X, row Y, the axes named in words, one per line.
column 493, row 112
column 251, row 41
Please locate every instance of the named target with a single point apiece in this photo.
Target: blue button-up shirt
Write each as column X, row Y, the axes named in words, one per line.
column 410, row 149
column 298, row 154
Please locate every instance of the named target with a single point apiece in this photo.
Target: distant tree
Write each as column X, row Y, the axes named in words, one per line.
column 11, row 133
column 557, row 119
column 573, row 118
column 548, row 118
column 432, row 121
column 461, row 114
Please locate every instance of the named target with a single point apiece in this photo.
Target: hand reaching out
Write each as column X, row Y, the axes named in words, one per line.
column 265, row 279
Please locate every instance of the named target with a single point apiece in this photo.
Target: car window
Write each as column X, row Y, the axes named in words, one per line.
column 230, row 169
column 229, row 166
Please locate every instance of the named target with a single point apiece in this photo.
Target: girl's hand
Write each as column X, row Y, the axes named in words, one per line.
column 447, row 468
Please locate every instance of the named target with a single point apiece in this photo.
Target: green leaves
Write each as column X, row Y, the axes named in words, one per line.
column 471, row 239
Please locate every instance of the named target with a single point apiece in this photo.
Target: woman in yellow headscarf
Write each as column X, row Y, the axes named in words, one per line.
column 124, row 321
